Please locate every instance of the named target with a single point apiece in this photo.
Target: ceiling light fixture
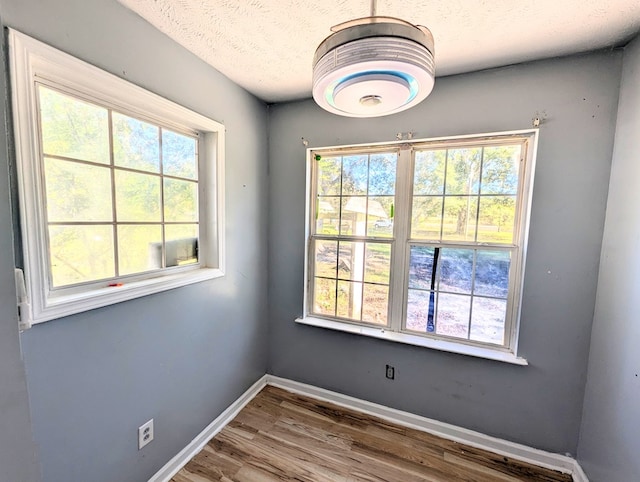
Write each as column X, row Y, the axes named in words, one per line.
column 373, row 66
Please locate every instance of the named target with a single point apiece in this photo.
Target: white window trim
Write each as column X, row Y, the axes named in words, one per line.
column 508, row 354
column 32, row 61
column 416, row 340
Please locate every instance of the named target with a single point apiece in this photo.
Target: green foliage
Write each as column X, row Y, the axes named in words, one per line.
column 463, row 171
column 473, row 173
column 81, row 253
column 179, row 155
column 429, row 172
column 135, row 243
column 426, row 217
column 328, row 172
column 135, row 143
column 137, row 197
column 77, row 191
column 354, row 175
column 180, row 200
column 354, row 192
column 73, row 128
column 500, row 170
column 382, row 174
column 377, row 267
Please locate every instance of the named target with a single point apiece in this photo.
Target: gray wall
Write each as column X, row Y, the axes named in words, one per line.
column 183, row 356
column 539, row 405
column 180, row 357
column 18, row 461
column 610, row 435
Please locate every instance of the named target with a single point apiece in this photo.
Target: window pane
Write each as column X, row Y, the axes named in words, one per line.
column 453, row 315
column 459, row 218
column 463, row 171
column 77, row 192
column 500, row 170
column 181, row 244
column 324, row 296
column 179, row 155
column 73, row 128
column 380, row 219
column 81, row 253
column 376, row 302
column 428, row 175
column 135, row 143
column 139, row 248
column 326, row 258
column 426, row 218
column 382, row 174
column 492, row 273
column 349, row 300
column 377, row 263
column 487, row 320
column 456, row 270
column 421, row 268
column 328, row 175
column 180, row 201
column 173, row 232
column 421, row 311
column 354, row 175
column 460, row 234
column 497, row 218
column 137, row 197
column 327, row 215
column 351, row 261
column 354, row 213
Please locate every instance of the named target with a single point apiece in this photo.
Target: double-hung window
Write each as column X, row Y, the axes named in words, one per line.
column 120, row 190
column 422, row 242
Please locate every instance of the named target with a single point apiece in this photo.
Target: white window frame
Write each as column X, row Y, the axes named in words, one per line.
column 33, row 62
column 398, row 285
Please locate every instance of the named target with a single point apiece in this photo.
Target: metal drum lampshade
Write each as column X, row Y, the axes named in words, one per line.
column 373, row 67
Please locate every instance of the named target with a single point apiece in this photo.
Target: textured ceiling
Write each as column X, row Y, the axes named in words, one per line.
column 267, row 46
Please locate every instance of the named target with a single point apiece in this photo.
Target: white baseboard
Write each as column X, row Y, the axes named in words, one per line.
column 561, row 463
column 174, row 465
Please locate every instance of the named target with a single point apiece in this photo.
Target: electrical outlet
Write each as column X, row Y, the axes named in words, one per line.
column 390, row 372
column 145, row 434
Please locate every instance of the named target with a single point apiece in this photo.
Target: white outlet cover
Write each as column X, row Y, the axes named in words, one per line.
column 145, row 434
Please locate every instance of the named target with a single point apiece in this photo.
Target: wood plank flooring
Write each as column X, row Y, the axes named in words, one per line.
column 283, row 436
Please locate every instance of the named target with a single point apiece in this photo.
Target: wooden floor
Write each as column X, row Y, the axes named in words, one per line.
column 282, row 436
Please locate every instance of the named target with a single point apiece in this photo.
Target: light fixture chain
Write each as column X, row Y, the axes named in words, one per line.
column 373, row 7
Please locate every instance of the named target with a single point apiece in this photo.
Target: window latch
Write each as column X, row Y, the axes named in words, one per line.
column 24, row 307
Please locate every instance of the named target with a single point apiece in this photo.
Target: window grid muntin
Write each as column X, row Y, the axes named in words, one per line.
column 163, row 246
column 512, row 250
column 527, row 140
column 110, row 108
column 67, row 88
column 122, row 168
column 444, row 190
column 478, row 196
column 339, row 237
column 114, row 211
column 473, row 245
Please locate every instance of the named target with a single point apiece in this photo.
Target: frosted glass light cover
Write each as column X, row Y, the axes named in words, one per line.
column 373, row 70
column 372, row 94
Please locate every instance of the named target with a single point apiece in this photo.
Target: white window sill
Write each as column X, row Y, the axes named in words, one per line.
column 442, row 345
column 60, row 306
